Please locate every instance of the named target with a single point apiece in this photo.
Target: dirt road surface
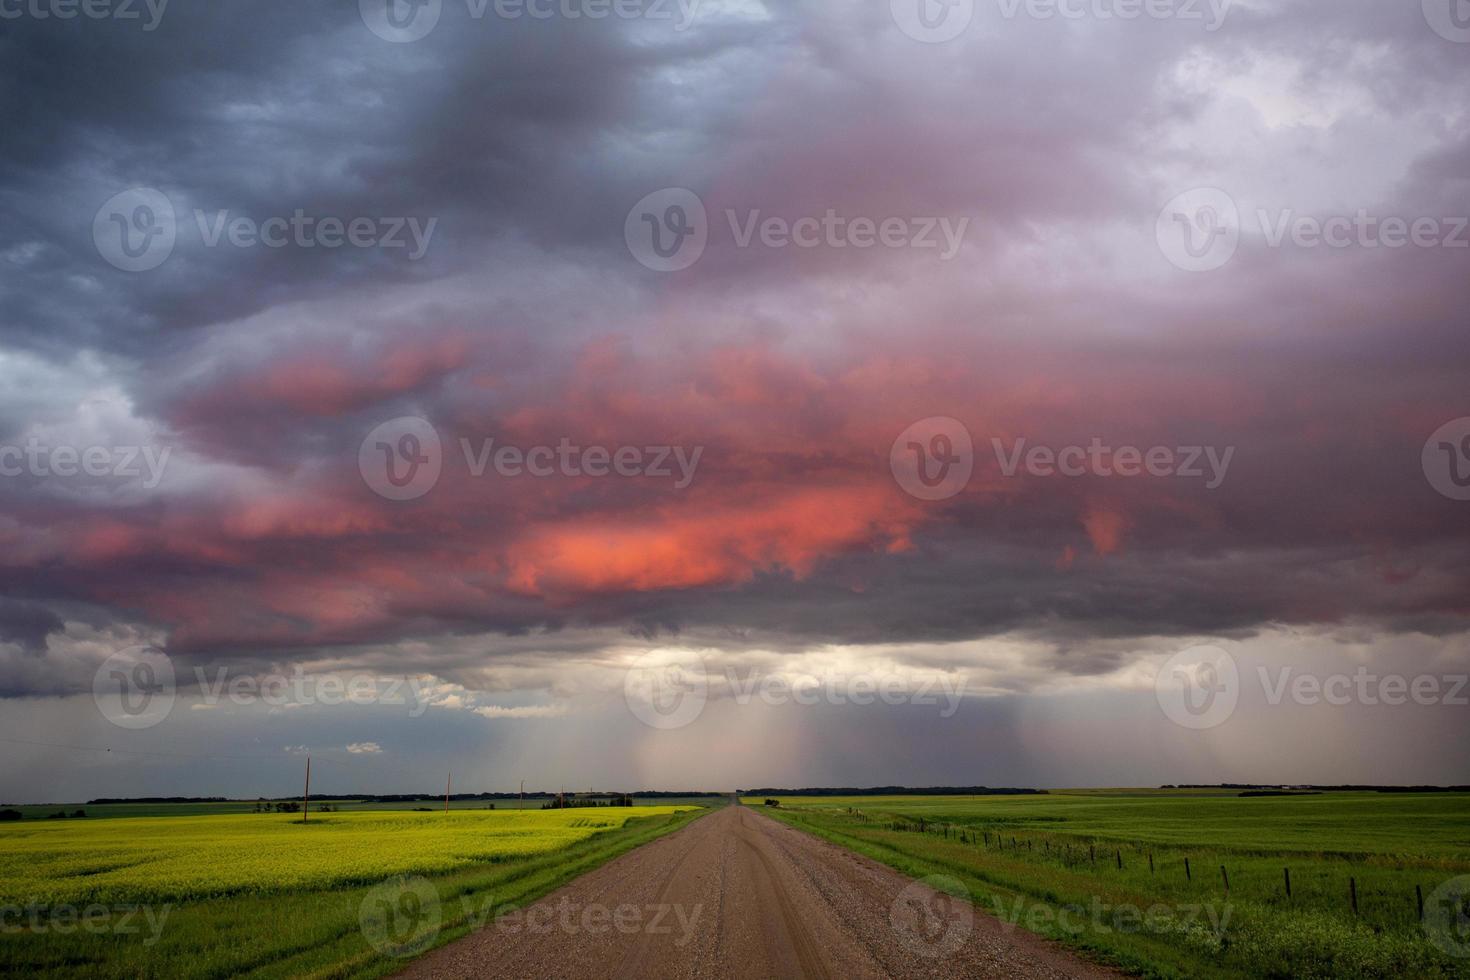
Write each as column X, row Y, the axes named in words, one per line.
column 739, row 894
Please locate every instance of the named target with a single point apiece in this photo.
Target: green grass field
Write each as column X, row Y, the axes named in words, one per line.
column 264, row 895
column 41, row 811
column 1029, row 858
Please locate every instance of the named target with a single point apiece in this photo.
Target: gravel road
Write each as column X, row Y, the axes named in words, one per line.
column 739, row 894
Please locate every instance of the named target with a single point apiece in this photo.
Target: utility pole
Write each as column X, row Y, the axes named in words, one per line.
column 447, row 783
column 306, row 794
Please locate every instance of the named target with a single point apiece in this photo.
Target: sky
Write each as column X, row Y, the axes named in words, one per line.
column 709, row 395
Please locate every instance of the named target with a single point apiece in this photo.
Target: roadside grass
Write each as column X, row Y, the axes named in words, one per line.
column 1027, row 860
column 313, row 932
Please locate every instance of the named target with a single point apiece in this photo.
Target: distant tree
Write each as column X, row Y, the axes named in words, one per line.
column 10, row 814
column 80, row 813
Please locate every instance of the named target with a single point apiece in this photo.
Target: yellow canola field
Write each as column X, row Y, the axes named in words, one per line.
column 160, row 859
